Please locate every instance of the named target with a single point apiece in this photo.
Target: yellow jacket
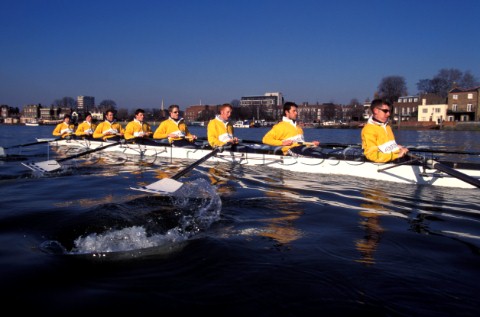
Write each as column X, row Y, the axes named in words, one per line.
column 85, row 128
column 107, row 126
column 378, row 142
column 284, row 130
column 219, row 132
column 136, row 128
column 169, row 126
column 63, row 129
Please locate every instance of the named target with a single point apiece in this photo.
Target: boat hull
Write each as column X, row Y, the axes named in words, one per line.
column 409, row 174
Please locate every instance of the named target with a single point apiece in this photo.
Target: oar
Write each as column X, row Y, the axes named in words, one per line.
column 442, row 151
column 171, row 185
column 53, row 165
column 432, row 164
column 2, row 149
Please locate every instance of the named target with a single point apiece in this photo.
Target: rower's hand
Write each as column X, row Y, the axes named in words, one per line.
column 403, row 151
column 287, row 142
column 315, row 143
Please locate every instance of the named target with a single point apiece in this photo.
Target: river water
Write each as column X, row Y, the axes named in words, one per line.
column 253, row 240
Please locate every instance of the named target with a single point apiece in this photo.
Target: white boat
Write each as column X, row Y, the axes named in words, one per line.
column 32, row 124
column 338, row 163
column 242, row 124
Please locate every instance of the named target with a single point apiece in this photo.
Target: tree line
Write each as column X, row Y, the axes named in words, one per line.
column 393, row 87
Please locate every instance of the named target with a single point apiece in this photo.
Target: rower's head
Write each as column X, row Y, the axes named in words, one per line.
column 66, row 118
column 290, row 110
column 174, row 111
column 139, row 114
column 381, row 109
column 109, row 115
column 225, row 111
column 88, row 116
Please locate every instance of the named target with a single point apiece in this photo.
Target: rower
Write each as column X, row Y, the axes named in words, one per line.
column 109, row 129
column 175, row 130
column 289, row 135
column 64, row 129
column 86, row 128
column 138, row 129
column 378, row 141
column 220, row 129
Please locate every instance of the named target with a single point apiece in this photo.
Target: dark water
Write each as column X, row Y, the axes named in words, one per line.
column 254, row 240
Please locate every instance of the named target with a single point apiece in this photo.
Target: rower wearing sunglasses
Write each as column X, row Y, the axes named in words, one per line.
column 378, row 141
column 175, row 130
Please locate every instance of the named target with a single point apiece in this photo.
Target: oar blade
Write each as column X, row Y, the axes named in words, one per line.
column 2, row 152
column 44, row 167
column 163, row 186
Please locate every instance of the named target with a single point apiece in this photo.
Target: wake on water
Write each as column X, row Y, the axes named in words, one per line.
column 196, row 206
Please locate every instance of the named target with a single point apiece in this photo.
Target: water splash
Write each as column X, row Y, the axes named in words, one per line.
column 196, row 206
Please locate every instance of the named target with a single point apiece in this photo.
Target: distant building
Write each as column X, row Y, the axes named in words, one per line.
column 463, row 104
column 200, row 113
column 85, row 104
column 432, row 112
column 267, row 104
column 406, row 107
column 269, row 99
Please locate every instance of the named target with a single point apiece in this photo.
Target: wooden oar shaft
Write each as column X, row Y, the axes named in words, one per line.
column 195, row 164
column 33, row 143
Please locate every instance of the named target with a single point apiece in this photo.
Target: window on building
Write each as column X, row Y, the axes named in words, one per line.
column 399, row 99
column 470, row 96
column 437, row 110
column 469, row 107
column 409, row 99
column 415, row 99
column 454, row 107
column 424, row 110
column 455, row 97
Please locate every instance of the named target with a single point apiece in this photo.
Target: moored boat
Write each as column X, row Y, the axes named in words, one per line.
column 332, row 162
column 32, row 124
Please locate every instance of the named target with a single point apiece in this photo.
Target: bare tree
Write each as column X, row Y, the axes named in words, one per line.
column 65, row 102
column 235, row 103
column 445, row 80
column 122, row 115
column 106, row 105
column 392, row 87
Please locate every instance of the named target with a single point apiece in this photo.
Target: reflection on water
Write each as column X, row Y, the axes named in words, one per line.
column 370, row 221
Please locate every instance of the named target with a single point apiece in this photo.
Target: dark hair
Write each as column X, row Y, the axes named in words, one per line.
column 170, row 109
column 88, row 114
column 139, row 111
column 376, row 103
column 67, row 116
column 288, row 105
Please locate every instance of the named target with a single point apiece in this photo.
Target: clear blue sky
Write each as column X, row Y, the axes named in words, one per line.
column 213, row 51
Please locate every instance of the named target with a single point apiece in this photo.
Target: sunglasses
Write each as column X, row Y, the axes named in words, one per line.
column 384, row 110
